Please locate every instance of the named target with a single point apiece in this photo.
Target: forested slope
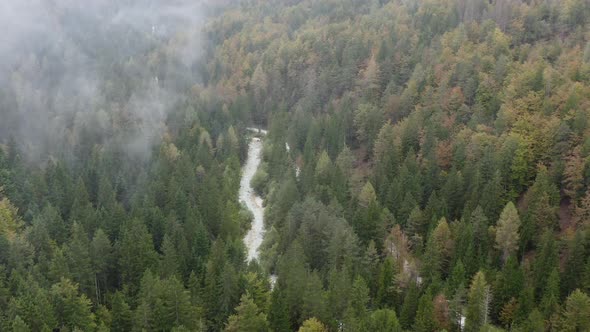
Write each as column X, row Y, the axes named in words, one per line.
column 443, row 148
column 427, row 163
column 118, row 183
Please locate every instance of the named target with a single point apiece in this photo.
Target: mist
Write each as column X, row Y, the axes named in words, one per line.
column 100, row 71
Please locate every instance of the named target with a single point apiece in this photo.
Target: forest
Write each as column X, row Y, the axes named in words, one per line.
column 426, row 167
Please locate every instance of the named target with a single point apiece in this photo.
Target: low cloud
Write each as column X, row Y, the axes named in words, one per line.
column 71, row 68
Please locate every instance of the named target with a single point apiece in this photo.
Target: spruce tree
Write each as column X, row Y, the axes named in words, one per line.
column 409, row 307
column 574, row 316
column 550, row 298
column 425, row 315
column 121, row 314
column 247, row 317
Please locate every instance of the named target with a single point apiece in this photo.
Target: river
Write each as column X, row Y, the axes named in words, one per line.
column 248, row 196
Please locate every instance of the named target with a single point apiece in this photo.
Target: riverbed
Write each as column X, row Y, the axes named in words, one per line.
column 248, row 196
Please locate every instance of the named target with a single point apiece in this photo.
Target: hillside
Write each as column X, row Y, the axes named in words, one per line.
column 426, row 166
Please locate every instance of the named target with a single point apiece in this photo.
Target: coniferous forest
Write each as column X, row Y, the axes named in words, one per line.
column 426, row 166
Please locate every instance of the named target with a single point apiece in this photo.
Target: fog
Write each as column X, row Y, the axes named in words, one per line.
column 75, row 71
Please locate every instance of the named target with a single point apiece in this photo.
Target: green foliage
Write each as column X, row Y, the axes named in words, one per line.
column 18, row 325
column 478, row 302
column 122, row 318
column 312, row 325
column 412, row 128
column 507, row 231
column 71, row 308
column 384, row 320
column 247, row 318
column 574, row 316
column 409, row 307
column 260, row 180
column 425, row 314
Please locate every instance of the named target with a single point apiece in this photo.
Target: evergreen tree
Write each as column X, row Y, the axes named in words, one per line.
column 574, row 265
column 508, row 284
column 550, row 299
column 457, row 278
column 409, row 307
column 312, row 325
column 574, row 316
column 136, row 253
column 545, row 260
column 356, row 314
column 79, row 260
column 438, row 252
column 313, row 298
column 18, row 325
column 169, row 265
column 478, row 303
column 384, row 320
column 122, row 318
column 507, row 231
column 176, row 309
column 247, row 318
column 278, row 315
column 386, row 288
column 416, row 227
column 101, row 254
column 425, row 314
column 35, row 306
column 73, row 310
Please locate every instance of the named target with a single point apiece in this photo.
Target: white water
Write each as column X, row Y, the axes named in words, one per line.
column 253, row 202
